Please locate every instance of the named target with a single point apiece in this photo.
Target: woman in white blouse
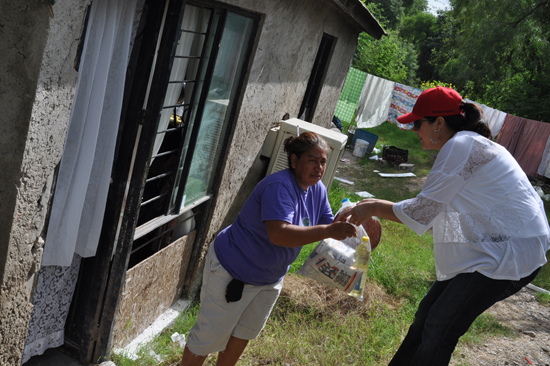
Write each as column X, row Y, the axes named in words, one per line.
column 489, row 226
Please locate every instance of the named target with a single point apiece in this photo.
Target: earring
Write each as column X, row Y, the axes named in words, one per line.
column 434, row 141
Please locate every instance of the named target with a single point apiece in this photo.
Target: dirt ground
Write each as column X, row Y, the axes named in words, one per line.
column 528, row 318
column 531, row 322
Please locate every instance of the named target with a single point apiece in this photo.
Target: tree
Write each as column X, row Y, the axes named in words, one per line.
column 498, row 52
column 390, row 10
column 391, row 57
column 421, row 29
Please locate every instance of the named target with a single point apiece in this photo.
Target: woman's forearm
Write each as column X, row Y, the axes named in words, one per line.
column 367, row 208
column 287, row 235
column 384, row 209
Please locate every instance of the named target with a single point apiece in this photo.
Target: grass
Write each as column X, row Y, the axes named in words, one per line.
column 312, row 324
column 162, row 350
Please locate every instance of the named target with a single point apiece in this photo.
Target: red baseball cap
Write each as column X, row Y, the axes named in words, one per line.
column 434, row 102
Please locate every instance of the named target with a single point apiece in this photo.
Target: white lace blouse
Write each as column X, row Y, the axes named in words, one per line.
column 485, row 214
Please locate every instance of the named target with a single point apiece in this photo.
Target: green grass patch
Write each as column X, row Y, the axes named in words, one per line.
column 298, row 338
column 393, row 189
column 403, row 263
column 543, row 298
column 162, row 351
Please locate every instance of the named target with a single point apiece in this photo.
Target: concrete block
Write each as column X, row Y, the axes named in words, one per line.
column 403, row 167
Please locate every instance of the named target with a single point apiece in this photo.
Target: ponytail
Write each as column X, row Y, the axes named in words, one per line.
column 473, row 119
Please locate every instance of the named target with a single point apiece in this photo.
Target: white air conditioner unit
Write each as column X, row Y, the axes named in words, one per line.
column 274, row 147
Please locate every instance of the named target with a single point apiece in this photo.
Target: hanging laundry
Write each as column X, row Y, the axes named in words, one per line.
column 374, row 102
column 347, row 103
column 494, row 117
column 526, row 140
column 402, row 102
column 544, row 167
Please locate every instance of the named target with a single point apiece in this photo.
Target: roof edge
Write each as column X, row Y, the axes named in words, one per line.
column 363, row 18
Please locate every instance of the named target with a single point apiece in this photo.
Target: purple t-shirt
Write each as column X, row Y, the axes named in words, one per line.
column 244, row 249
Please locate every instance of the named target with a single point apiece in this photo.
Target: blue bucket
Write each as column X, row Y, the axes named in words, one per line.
column 371, row 138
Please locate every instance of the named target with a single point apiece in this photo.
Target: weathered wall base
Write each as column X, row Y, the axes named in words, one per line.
column 151, row 287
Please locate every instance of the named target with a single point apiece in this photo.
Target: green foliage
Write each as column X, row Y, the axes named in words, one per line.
column 499, row 52
column 422, row 29
column 391, row 57
column 415, row 6
column 389, row 10
column 495, row 52
column 418, row 27
column 393, row 11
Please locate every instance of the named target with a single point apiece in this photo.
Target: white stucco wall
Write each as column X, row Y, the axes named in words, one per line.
column 46, row 97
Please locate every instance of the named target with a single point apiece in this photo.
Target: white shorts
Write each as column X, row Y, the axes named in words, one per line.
column 218, row 320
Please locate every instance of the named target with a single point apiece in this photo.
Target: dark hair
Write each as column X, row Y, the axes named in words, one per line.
column 473, row 120
column 301, row 144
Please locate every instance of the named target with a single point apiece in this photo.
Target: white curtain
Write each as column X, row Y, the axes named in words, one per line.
column 83, row 180
column 85, row 171
column 374, row 102
column 51, row 301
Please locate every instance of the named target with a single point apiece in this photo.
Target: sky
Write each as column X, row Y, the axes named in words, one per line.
column 434, row 5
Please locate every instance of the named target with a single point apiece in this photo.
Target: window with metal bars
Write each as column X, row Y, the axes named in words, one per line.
column 206, row 73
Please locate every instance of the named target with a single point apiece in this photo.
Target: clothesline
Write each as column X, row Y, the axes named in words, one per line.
column 373, row 100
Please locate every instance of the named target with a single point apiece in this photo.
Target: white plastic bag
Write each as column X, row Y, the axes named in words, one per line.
column 333, row 262
column 352, row 241
column 179, row 339
column 324, row 268
column 337, row 264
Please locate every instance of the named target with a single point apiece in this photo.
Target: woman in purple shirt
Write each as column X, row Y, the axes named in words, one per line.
column 246, row 264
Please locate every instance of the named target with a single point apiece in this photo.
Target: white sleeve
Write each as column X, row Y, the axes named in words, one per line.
column 443, row 183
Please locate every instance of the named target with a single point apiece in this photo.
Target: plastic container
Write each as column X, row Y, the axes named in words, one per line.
column 362, row 256
column 360, row 148
column 371, row 138
column 395, row 154
column 345, row 203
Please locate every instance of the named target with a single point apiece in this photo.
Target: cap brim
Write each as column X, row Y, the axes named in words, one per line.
column 408, row 118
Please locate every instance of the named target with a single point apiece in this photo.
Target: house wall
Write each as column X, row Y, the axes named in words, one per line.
column 38, row 85
column 290, row 37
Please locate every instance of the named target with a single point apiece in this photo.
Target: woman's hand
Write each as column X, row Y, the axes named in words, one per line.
column 343, row 214
column 361, row 212
column 341, row 230
column 366, row 209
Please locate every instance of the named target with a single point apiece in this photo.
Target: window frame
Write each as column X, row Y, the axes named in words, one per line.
column 197, row 113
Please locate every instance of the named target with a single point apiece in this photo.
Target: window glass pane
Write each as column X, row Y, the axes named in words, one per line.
column 174, row 116
column 221, row 94
column 199, row 74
